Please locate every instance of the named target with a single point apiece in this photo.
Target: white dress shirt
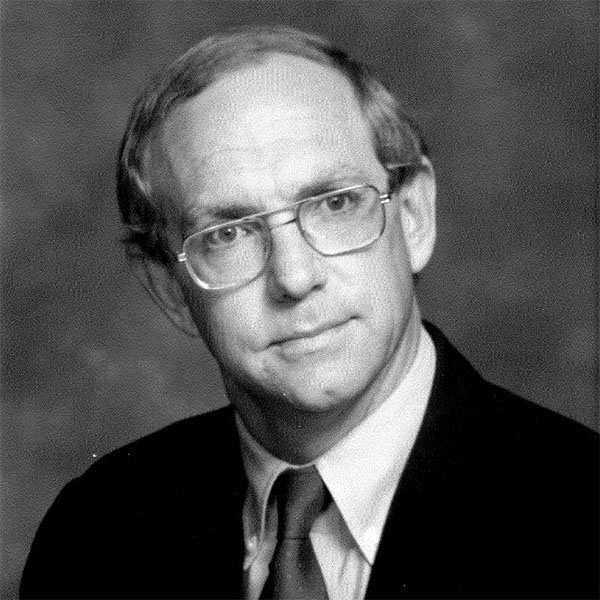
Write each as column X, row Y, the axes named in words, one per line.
column 361, row 472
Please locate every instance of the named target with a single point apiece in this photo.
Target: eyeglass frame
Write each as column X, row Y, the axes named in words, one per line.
column 384, row 198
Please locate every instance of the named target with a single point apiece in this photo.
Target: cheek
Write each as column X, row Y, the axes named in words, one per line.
column 228, row 325
column 389, row 286
column 387, row 270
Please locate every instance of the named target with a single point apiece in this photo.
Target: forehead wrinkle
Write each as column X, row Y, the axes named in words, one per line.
column 263, row 167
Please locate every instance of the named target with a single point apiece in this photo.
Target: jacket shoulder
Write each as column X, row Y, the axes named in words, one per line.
column 198, row 440
column 459, row 391
column 136, row 523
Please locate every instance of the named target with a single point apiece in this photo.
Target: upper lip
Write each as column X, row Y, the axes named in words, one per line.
column 308, row 332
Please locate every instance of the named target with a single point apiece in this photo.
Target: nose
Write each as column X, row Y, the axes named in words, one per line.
column 294, row 269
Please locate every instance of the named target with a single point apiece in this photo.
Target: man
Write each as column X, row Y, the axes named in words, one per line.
column 279, row 204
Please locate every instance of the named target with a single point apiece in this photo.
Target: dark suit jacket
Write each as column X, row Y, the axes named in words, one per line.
column 499, row 499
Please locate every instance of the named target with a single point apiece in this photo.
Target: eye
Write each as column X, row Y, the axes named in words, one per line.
column 339, row 202
column 230, row 235
column 344, row 203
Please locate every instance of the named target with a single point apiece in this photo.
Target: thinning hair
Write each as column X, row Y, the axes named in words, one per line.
column 396, row 139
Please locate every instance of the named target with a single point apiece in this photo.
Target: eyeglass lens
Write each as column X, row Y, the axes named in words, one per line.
column 332, row 224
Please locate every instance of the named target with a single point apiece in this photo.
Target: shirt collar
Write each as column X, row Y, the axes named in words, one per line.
column 363, row 469
column 262, row 469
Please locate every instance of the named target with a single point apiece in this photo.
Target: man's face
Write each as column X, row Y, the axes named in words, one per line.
column 313, row 333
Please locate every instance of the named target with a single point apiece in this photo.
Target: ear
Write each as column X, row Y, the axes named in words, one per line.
column 417, row 199
column 164, row 289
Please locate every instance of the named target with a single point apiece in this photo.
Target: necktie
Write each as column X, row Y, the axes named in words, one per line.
column 294, row 572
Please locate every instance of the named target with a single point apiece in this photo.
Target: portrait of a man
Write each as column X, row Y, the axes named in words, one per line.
column 279, row 204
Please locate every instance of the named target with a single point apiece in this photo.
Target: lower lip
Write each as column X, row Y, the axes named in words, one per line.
column 310, row 345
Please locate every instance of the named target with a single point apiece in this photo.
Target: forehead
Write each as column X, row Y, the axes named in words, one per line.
column 275, row 123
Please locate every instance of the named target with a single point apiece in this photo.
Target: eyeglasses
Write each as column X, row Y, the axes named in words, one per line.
column 237, row 252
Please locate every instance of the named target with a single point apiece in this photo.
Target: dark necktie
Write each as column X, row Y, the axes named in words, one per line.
column 294, row 571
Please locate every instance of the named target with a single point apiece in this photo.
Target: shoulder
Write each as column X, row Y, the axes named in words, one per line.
column 195, row 440
column 495, row 423
column 108, row 529
column 186, row 455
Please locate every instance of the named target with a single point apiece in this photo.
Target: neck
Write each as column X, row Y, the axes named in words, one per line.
column 297, row 437
column 300, row 436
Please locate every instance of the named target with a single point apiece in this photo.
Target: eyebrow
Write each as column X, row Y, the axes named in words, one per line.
column 336, row 177
column 224, row 211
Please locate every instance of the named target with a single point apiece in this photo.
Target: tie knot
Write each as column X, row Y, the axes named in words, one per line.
column 301, row 496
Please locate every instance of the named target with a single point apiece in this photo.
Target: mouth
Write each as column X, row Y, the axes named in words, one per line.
column 312, row 339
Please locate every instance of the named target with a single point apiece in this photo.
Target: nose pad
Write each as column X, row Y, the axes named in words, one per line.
column 277, row 225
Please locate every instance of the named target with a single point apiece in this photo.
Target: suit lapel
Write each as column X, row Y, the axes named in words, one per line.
column 423, row 509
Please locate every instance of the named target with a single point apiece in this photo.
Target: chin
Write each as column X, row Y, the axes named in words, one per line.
column 316, row 397
column 314, row 404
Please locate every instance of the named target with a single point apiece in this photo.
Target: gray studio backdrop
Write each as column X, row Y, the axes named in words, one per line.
column 507, row 96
